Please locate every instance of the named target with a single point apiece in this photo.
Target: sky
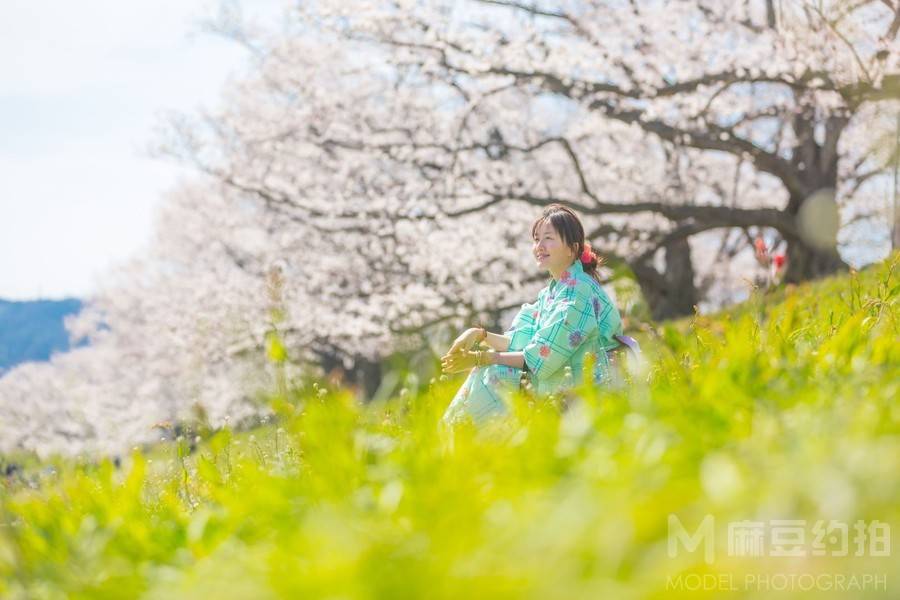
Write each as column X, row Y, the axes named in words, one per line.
column 83, row 85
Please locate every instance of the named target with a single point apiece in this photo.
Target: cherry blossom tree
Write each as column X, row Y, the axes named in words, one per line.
column 369, row 187
column 659, row 121
column 416, row 143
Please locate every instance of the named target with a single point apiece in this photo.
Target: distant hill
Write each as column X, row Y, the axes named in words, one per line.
column 32, row 330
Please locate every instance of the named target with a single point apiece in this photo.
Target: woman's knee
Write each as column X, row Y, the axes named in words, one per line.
column 499, row 375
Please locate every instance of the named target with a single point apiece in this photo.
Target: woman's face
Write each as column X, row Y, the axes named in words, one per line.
column 550, row 251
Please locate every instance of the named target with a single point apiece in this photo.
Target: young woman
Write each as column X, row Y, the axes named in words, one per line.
column 571, row 317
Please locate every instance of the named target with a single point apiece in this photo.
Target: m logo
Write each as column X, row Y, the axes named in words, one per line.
column 705, row 534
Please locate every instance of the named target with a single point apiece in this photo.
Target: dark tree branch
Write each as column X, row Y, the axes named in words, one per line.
column 718, row 216
column 713, row 137
column 531, row 9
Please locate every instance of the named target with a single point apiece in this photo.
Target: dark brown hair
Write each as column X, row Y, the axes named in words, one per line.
column 567, row 224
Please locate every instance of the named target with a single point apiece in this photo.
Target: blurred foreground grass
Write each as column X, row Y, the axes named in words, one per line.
column 775, row 410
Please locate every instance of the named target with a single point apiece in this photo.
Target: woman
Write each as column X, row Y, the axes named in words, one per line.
column 571, row 317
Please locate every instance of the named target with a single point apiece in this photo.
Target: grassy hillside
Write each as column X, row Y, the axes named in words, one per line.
column 782, row 409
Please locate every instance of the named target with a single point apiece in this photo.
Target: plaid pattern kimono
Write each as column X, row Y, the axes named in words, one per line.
column 571, row 317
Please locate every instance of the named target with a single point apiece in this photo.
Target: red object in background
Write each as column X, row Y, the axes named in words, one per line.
column 778, row 260
column 762, row 254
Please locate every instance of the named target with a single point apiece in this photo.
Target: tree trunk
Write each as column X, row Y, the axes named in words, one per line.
column 670, row 294
column 365, row 375
column 813, row 253
column 805, row 262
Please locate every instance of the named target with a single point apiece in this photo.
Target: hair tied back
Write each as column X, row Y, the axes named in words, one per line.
column 587, row 254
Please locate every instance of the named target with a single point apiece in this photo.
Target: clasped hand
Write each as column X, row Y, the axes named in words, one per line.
column 460, row 357
column 460, row 360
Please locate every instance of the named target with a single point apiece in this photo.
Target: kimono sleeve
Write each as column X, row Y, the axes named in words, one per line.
column 570, row 322
column 521, row 330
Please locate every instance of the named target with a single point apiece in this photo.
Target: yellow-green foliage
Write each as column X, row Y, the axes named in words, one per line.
column 778, row 409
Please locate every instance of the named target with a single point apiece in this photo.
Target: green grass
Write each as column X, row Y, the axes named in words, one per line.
column 782, row 408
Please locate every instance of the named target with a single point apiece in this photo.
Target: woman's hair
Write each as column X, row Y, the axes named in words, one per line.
column 567, row 224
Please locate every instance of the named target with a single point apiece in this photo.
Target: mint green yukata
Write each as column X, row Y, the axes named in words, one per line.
column 571, row 317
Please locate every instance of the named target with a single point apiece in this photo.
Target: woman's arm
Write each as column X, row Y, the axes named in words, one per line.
column 509, row 359
column 473, row 336
column 496, row 341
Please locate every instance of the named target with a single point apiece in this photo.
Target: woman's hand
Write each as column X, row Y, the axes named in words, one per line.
column 465, row 341
column 461, row 360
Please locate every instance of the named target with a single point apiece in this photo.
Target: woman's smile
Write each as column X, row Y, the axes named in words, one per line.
column 549, row 249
